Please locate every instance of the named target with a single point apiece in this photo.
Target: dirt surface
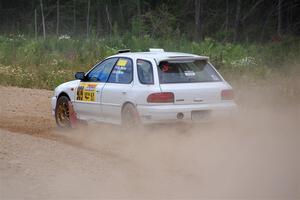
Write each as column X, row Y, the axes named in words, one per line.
column 253, row 156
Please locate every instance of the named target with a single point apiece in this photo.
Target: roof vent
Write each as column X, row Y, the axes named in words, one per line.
column 156, row 50
column 124, row 51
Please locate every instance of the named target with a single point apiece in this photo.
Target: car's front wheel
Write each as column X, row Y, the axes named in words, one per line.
column 130, row 117
column 62, row 113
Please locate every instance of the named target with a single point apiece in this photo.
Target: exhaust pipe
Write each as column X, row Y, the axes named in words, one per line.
column 180, row 115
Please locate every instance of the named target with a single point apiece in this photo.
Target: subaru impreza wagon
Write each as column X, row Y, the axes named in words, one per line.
column 135, row 88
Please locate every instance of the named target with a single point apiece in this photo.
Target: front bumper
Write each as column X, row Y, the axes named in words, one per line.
column 169, row 113
column 53, row 104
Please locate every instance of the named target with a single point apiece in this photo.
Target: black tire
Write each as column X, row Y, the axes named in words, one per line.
column 62, row 116
column 130, row 117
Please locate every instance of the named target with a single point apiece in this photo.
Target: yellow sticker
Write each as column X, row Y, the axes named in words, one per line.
column 86, row 92
column 122, row 62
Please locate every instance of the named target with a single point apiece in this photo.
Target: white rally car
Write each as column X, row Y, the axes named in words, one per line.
column 132, row 88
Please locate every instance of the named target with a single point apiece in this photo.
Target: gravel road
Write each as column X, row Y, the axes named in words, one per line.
column 254, row 156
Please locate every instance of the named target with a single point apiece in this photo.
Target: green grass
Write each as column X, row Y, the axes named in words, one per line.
column 27, row 62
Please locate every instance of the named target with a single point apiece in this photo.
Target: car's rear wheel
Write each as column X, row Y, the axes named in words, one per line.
column 130, row 117
column 62, row 114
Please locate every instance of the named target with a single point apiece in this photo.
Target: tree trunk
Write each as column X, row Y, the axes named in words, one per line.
column 245, row 16
column 227, row 16
column 99, row 24
column 198, row 21
column 279, row 23
column 74, row 17
column 265, row 25
column 88, row 19
column 237, row 20
column 121, row 15
column 108, row 19
column 57, row 18
column 139, row 10
column 35, row 24
column 43, row 19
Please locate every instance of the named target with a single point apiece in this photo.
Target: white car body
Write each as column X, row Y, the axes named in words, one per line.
column 111, row 97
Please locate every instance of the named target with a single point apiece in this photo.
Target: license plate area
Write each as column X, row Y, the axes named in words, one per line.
column 200, row 115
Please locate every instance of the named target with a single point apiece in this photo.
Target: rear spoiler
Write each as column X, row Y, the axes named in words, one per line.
column 183, row 59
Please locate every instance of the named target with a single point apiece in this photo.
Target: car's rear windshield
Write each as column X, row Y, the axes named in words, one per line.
column 187, row 72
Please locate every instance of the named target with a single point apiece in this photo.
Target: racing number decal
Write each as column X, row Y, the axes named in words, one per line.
column 86, row 92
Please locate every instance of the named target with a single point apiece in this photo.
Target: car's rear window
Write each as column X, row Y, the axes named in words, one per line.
column 187, row 72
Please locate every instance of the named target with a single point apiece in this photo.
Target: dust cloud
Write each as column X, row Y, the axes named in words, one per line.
column 253, row 155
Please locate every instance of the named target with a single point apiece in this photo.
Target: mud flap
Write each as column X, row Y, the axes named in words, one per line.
column 72, row 115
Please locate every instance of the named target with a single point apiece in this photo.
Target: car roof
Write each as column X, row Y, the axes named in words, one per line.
column 161, row 55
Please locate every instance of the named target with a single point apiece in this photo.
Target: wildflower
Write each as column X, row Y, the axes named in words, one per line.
column 21, row 36
column 64, row 37
column 245, row 62
column 54, row 62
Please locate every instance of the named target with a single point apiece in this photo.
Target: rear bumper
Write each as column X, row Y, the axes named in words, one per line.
column 168, row 113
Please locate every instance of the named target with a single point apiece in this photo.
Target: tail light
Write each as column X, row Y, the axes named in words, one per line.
column 227, row 94
column 161, row 97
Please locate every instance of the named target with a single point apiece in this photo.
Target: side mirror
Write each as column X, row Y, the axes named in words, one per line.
column 80, row 75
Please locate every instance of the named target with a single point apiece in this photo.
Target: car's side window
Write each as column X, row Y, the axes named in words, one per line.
column 145, row 72
column 101, row 72
column 122, row 72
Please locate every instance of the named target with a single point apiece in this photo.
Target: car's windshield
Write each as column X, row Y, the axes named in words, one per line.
column 187, row 72
column 101, row 72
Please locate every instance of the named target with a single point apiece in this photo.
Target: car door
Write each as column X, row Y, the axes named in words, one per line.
column 87, row 103
column 117, row 89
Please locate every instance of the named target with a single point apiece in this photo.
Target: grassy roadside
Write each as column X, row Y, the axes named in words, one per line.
column 27, row 62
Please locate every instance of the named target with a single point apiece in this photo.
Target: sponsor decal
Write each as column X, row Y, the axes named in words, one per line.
column 122, row 62
column 189, row 73
column 86, row 92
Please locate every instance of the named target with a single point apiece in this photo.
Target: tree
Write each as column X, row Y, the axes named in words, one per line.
column 88, row 19
column 157, row 18
column 35, row 24
column 227, row 16
column 57, row 18
column 108, row 19
column 279, row 19
column 98, row 14
column 237, row 20
column 139, row 10
column 74, row 16
column 198, row 22
column 43, row 19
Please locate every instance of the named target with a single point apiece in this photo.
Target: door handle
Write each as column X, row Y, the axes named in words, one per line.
column 124, row 92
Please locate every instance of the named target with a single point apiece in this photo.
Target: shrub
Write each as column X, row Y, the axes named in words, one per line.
column 27, row 62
